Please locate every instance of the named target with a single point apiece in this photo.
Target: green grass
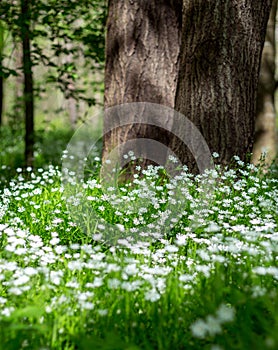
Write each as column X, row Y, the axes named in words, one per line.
column 207, row 281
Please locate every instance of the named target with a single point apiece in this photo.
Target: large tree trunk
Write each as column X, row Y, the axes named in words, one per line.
column 265, row 126
column 221, row 49
column 28, row 83
column 142, row 57
column 211, row 77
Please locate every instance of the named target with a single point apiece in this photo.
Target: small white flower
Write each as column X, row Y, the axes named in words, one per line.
column 103, row 312
column 7, row 311
column 199, row 329
column 21, row 280
column 181, row 239
column 225, row 313
column 97, row 236
column 131, row 269
column 54, row 241
column 113, row 283
column 74, row 265
column 152, row 295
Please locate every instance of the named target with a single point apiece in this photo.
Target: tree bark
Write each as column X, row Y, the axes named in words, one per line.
column 142, row 57
column 205, row 65
column 1, row 76
column 17, row 118
column 265, row 125
column 1, row 98
column 221, row 49
column 28, row 82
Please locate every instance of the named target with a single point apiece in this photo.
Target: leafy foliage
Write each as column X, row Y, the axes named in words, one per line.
column 69, row 28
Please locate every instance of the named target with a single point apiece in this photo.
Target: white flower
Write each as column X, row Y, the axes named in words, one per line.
column 98, row 282
column 181, row 239
column 30, row 271
column 213, row 325
column 152, row 295
column 21, row 280
column 113, row 283
column 54, row 241
column 131, row 269
column 85, row 305
column 55, row 277
column 103, row 312
column 171, row 248
column 74, row 265
column 213, row 227
column 199, row 329
column 225, row 313
column 7, row 311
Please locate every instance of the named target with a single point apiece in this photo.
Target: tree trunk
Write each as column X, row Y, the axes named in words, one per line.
column 142, row 57
column 17, row 118
column 28, row 82
column 211, row 77
column 1, row 98
column 265, row 125
column 71, row 103
column 221, row 49
column 1, row 76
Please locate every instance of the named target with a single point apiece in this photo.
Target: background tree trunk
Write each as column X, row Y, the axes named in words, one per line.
column 218, row 76
column 71, row 103
column 28, row 83
column 265, row 125
column 16, row 119
column 1, row 76
column 1, row 97
column 142, row 57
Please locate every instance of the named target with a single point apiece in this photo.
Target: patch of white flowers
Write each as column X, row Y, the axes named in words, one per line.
column 224, row 229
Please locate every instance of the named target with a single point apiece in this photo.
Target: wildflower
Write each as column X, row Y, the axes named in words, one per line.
column 75, row 265
column 181, row 239
column 131, row 269
column 21, row 280
column 54, row 241
column 7, row 311
column 55, row 277
column 102, row 312
column 225, row 313
column 199, row 329
column 97, row 236
column 152, row 295
column 113, row 283
column 85, row 305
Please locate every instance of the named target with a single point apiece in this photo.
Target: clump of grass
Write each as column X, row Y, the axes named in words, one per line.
column 209, row 282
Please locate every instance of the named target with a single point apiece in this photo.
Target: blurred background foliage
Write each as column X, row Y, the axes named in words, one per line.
column 67, row 40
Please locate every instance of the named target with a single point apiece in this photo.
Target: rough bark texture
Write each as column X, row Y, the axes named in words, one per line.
column 265, row 125
column 1, row 77
column 211, row 76
column 28, row 83
column 220, row 59
column 142, row 57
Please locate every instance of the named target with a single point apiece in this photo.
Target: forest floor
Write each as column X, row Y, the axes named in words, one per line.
column 188, row 262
